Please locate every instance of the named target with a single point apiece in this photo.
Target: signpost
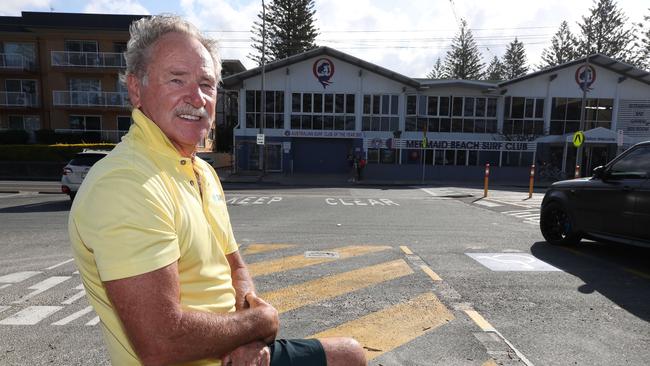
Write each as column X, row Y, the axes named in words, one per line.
column 578, row 138
column 260, row 139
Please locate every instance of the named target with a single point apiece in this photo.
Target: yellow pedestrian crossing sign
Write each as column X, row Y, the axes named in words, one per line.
column 578, row 138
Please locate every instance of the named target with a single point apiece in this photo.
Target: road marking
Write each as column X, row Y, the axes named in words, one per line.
column 434, row 276
column 480, row 320
column 487, row 204
column 59, row 264
column 293, row 297
column 262, row 248
column 76, row 296
column 18, row 276
column 93, row 321
column 406, row 249
column 74, row 316
column 387, row 329
column 299, row 261
column 512, row 262
column 31, row 315
column 43, row 286
column 489, row 362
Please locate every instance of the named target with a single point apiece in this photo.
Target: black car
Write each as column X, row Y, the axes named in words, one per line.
column 613, row 205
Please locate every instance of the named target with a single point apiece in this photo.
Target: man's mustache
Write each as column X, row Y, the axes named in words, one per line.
column 189, row 110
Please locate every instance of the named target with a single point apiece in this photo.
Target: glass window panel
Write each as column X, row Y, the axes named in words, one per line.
column 480, row 107
column 306, row 122
column 432, row 109
column 434, row 125
column 469, row 107
column 350, row 123
column 318, row 123
column 468, row 125
column 411, row 124
column 13, row 85
column 318, row 103
column 472, row 158
column 461, row 156
column 423, row 123
column 491, row 126
column 507, row 126
column 457, row 125
column 394, row 105
column 385, row 104
column 492, row 107
column 16, row 123
column 279, row 102
column 479, row 126
column 339, row 123
column 93, row 123
column 373, row 156
column 367, row 103
column 365, row 124
column 306, row 103
column 411, row 104
column 444, row 106
column 387, row 156
column 573, row 109
column 572, row 126
column 258, row 101
column 123, row 123
column 329, row 103
column 539, row 127
column 517, row 110
column 295, row 122
column 328, row 123
column 422, row 105
column 529, row 127
column 269, row 120
column 558, row 108
column 250, row 120
column 295, row 102
column 605, row 107
column 349, row 103
column 529, row 108
column 269, row 101
column 394, row 123
column 518, row 127
column 376, row 104
column 591, row 108
column 440, row 157
column 385, row 124
column 339, row 103
column 635, row 164
column 488, row 157
column 457, row 106
column 556, row 128
column 450, row 157
column 539, row 108
column 376, row 124
column 445, row 125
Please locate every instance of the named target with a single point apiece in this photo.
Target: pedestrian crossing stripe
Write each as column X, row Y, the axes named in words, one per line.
column 387, row 329
column 300, row 261
column 307, row 293
column 262, row 248
column 30, row 315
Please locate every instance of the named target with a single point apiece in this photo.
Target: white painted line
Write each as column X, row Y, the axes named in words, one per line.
column 488, row 204
column 43, row 286
column 18, row 276
column 5, row 286
column 59, row 264
column 3, row 308
column 74, row 316
column 94, row 321
column 75, row 272
column 31, row 315
column 74, row 298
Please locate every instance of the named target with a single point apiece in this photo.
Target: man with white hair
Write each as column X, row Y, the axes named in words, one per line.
column 151, row 234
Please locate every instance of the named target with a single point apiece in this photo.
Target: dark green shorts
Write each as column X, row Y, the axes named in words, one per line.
column 296, row 352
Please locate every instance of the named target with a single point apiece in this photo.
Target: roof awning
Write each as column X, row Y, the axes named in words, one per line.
column 598, row 135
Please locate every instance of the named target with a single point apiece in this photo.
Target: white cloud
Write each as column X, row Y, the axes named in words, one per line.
column 115, row 7
column 13, row 8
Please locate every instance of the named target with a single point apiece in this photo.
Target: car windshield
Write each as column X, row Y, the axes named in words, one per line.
column 86, row 159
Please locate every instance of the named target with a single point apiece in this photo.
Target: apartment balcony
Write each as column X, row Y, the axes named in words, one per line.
column 18, row 99
column 15, row 61
column 84, row 99
column 88, row 59
column 94, row 135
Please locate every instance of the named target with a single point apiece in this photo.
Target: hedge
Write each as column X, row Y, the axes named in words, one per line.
column 55, row 153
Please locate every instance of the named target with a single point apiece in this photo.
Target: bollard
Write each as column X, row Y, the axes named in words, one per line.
column 532, row 181
column 487, row 178
column 577, row 173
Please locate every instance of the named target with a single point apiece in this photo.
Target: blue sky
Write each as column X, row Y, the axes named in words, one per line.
column 404, row 36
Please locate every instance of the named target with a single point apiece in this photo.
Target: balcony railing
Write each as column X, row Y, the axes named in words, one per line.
column 94, row 135
column 90, row 99
column 88, row 59
column 18, row 99
column 16, row 61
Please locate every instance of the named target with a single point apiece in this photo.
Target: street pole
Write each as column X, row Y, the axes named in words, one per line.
column 262, row 92
column 582, row 111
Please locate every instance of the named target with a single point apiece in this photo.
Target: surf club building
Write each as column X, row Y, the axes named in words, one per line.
column 323, row 105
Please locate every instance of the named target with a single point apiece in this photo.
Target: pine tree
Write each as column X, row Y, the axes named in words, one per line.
column 290, row 29
column 495, row 71
column 514, row 61
column 438, row 71
column 563, row 48
column 604, row 31
column 643, row 44
column 463, row 61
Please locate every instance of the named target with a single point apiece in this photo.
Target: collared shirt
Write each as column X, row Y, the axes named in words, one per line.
column 140, row 209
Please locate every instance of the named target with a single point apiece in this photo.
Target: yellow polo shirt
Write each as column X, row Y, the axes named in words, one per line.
column 140, row 209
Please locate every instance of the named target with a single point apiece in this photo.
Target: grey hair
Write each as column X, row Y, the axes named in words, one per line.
column 146, row 31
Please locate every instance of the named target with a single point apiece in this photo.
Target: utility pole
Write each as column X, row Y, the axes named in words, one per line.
column 582, row 111
column 262, row 92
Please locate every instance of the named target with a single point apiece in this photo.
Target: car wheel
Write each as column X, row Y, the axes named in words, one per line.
column 557, row 225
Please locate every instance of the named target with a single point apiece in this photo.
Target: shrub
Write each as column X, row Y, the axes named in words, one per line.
column 55, row 153
column 13, row 137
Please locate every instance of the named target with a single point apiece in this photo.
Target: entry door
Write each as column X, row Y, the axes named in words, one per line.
column 273, row 157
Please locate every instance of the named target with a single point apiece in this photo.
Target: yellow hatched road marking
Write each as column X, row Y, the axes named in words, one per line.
column 261, row 248
column 300, row 261
column 434, row 276
column 490, row 362
column 311, row 292
column 480, row 321
column 387, row 329
column 406, row 249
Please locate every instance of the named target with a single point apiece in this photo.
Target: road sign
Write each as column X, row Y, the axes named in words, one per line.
column 619, row 138
column 260, row 139
column 578, row 138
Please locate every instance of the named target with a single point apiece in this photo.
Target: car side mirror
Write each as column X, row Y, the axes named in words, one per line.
column 599, row 172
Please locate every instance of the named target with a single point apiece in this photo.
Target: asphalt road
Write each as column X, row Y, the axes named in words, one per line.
column 421, row 276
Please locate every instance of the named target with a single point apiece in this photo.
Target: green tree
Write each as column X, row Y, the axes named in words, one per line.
column 495, row 70
column 290, row 30
column 514, row 61
column 463, row 61
column 604, row 31
column 643, row 44
column 564, row 48
column 438, row 71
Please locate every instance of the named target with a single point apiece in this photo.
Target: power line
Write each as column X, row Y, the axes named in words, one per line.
column 394, row 30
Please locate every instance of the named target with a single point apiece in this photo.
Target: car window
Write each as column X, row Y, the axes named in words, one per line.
column 636, row 164
column 86, row 159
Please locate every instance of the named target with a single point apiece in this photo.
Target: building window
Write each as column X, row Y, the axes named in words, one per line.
column 124, row 123
column 523, row 116
column 17, row 55
column 21, row 92
column 380, row 112
column 273, row 111
column 565, row 114
column 322, row 111
column 468, row 114
column 80, row 46
column 19, row 122
column 87, row 123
